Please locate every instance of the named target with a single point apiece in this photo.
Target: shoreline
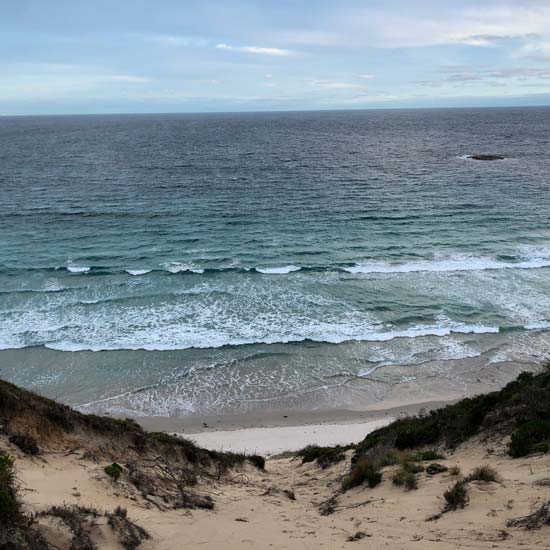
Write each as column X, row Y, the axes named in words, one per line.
column 271, row 434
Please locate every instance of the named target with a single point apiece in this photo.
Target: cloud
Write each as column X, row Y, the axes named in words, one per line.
column 126, row 78
column 464, row 74
column 176, row 40
column 275, row 52
column 365, row 76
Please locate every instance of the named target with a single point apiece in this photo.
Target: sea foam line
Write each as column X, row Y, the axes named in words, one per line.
column 452, row 264
column 329, row 338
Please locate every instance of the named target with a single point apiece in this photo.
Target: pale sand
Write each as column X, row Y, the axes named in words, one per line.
column 252, row 512
column 273, row 441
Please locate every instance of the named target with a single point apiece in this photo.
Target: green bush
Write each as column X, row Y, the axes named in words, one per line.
column 8, row 503
column 403, row 478
column 364, row 470
column 412, row 467
column 456, row 496
column 530, row 437
column 484, row 473
column 422, row 456
column 324, row 456
column 114, row 471
column 521, row 407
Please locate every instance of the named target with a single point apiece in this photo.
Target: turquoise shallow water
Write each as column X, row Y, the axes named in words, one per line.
column 196, row 263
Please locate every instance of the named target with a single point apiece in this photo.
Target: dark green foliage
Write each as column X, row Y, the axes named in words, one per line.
column 9, row 508
column 533, row 436
column 404, row 478
column 114, row 471
column 483, row 473
column 436, row 468
column 521, row 407
column 456, row 496
column 324, row 456
column 422, row 456
column 412, row 467
column 364, row 470
column 257, row 460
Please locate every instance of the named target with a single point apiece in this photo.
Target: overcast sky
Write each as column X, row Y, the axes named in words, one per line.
column 105, row 56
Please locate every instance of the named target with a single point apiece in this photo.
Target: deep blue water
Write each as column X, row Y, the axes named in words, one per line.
column 214, row 261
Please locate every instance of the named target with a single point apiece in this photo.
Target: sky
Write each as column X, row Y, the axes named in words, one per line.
column 137, row 56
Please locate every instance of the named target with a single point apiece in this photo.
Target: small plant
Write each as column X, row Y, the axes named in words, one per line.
column 422, row 456
column 454, row 470
column 403, row 478
column 456, row 496
column 364, row 470
column 436, row 468
column 114, row 471
column 484, row 473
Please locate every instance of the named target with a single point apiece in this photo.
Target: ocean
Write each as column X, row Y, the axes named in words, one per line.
column 219, row 263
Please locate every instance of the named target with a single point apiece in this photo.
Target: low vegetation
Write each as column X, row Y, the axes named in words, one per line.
column 366, row 470
column 456, row 496
column 483, row 473
column 16, row 528
column 114, row 471
column 403, row 478
column 521, row 409
column 324, row 456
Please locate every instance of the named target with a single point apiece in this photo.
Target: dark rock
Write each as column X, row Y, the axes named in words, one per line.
column 436, row 468
column 487, row 157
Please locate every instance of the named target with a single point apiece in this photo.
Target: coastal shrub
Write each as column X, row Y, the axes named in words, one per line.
column 521, row 407
column 454, row 470
column 483, row 473
column 412, row 467
column 391, row 457
column 403, row 478
column 365, row 470
column 533, row 436
column 324, row 456
column 8, row 502
column 436, row 468
column 422, row 456
column 456, row 496
column 114, row 471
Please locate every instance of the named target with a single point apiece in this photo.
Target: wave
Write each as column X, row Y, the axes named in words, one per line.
column 78, row 268
column 277, row 270
column 456, row 263
column 175, row 267
column 137, row 272
column 211, row 341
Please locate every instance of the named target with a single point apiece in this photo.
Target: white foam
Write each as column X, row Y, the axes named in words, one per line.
column 78, row 268
column 278, row 270
column 175, row 267
column 537, row 326
column 137, row 272
column 454, row 263
column 197, row 338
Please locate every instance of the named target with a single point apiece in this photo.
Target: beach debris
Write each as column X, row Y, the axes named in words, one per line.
column 358, row 536
column 535, row 520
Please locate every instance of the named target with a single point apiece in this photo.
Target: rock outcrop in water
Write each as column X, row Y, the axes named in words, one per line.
column 486, row 157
